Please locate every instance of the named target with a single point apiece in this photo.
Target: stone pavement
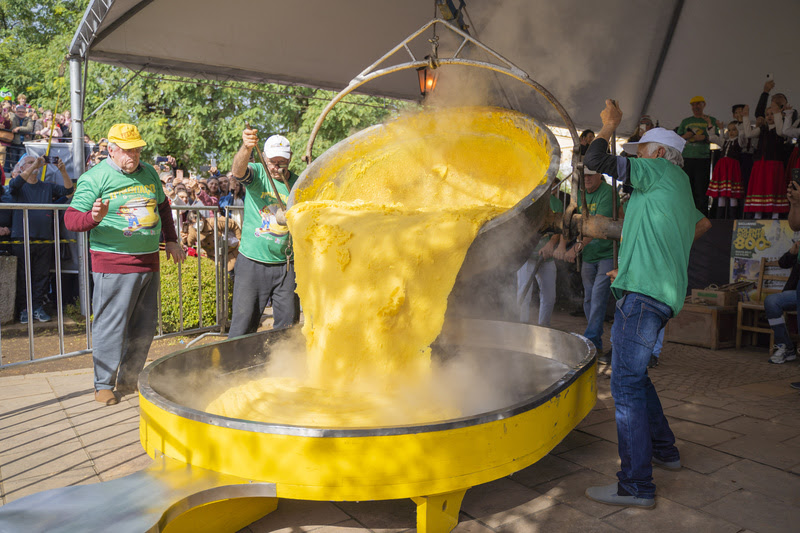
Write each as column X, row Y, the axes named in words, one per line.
column 736, row 418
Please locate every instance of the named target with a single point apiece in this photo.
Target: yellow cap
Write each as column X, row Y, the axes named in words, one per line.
column 697, row 99
column 126, row 136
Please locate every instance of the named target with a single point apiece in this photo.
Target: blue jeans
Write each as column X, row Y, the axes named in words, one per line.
column 546, row 279
column 659, row 344
column 596, row 292
column 774, row 306
column 642, row 428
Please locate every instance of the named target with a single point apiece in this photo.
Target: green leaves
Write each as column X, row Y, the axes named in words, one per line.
column 193, row 120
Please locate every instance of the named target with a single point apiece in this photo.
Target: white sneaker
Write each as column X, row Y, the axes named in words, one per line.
column 782, row 355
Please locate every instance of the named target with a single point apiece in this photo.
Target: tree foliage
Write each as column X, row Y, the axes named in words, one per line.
column 194, row 120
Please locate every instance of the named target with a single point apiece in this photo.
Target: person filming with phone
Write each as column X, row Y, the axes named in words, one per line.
column 26, row 188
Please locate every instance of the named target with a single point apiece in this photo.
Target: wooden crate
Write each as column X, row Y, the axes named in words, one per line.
column 703, row 325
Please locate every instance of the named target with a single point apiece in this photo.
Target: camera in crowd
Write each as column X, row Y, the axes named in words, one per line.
column 51, row 159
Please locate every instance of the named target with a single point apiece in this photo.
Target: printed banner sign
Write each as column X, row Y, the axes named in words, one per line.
column 757, row 239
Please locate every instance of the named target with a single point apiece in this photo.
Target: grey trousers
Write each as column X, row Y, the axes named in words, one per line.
column 255, row 284
column 125, row 308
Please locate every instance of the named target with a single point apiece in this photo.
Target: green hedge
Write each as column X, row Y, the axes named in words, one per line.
column 169, row 294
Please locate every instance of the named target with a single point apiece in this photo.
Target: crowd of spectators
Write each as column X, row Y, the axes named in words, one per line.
column 23, row 122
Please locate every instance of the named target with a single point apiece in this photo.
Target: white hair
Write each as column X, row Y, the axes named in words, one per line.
column 17, row 170
column 670, row 154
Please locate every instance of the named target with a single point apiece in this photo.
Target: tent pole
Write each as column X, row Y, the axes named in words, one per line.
column 78, row 168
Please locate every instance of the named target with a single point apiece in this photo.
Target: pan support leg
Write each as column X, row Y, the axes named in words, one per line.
column 438, row 513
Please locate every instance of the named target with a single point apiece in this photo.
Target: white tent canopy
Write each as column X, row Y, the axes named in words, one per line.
column 652, row 56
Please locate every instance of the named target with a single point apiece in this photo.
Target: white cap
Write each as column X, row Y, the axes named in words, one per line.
column 277, row 146
column 587, row 171
column 657, row 135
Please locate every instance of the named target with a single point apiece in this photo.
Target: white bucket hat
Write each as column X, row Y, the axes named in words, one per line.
column 657, row 135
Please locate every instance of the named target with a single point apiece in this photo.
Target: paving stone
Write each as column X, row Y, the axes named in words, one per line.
column 88, row 422
column 383, row 516
column 546, row 469
column 789, row 419
column 710, row 401
column 701, row 434
column 559, row 518
column 18, row 440
column 29, row 412
column 669, row 516
column 571, row 490
column 605, row 430
column 690, row 488
column 601, row 456
column 345, row 527
column 27, row 387
column 115, row 436
column 764, row 412
column 293, row 516
column 17, row 488
column 64, row 456
column 762, row 479
column 465, row 525
column 761, row 450
column 597, row 416
column 756, row 511
column 769, row 389
column 113, row 463
column 703, row 459
column 673, row 394
column 701, row 414
column 753, row 426
column 574, row 439
column 666, row 402
column 503, row 501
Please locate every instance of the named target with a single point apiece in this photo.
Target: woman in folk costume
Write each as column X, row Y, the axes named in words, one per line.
column 766, row 192
column 726, row 179
column 791, row 131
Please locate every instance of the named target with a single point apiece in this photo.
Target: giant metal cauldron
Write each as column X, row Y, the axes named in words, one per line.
column 434, row 463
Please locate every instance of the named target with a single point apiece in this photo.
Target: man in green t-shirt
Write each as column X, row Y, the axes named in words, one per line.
column 697, row 152
column 597, row 255
column 264, row 270
column 540, row 265
column 121, row 203
column 661, row 222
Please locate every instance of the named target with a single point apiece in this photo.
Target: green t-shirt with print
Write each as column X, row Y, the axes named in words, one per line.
column 599, row 202
column 263, row 239
column 556, row 206
column 133, row 224
column 699, row 150
column 657, row 233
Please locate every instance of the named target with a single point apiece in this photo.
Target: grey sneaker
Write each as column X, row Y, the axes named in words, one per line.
column 782, row 354
column 609, row 495
column 667, row 465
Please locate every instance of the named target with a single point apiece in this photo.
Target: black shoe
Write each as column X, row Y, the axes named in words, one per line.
column 604, row 359
column 653, row 362
column 795, row 385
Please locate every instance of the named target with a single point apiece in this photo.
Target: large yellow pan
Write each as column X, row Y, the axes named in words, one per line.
column 434, row 463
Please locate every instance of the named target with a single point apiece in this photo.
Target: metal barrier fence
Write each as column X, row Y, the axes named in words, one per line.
column 221, row 282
